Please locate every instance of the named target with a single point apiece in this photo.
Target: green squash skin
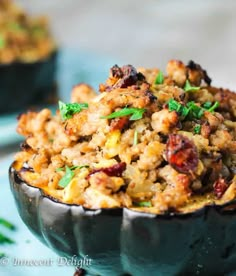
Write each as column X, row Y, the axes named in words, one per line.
column 25, row 84
column 126, row 242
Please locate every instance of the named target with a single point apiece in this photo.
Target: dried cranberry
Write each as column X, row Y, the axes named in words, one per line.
column 115, row 170
column 129, row 77
column 123, row 77
column 116, row 72
column 181, row 153
column 220, row 186
column 119, row 123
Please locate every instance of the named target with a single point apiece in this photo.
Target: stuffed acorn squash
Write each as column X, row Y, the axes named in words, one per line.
column 141, row 178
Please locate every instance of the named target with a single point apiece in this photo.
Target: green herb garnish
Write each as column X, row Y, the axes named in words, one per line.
column 197, row 129
column 160, row 78
column 66, row 179
column 2, row 42
column 59, row 169
column 7, row 224
column 4, row 239
column 68, row 110
column 69, row 174
column 174, row 105
column 195, row 111
column 189, row 88
column 214, row 106
column 144, row 204
column 207, row 105
column 38, row 31
column 135, row 142
column 191, row 110
column 178, row 107
column 72, row 168
column 14, row 26
column 137, row 113
column 79, row 167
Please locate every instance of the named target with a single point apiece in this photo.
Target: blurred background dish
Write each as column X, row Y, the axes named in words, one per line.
column 27, row 59
column 23, row 38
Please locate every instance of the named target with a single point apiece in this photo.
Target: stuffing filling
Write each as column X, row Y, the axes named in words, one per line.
column 149, row 141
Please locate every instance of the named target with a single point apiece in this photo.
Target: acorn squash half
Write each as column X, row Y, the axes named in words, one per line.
column 127, row 242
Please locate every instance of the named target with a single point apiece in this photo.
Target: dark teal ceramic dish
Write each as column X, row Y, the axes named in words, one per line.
column 25, row 84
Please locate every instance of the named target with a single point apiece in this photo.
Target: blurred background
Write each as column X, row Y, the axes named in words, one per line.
column 140, row 34
column 94, row 35
column 149, row 33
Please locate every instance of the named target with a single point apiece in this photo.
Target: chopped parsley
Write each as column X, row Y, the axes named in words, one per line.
column 38, row 31
column 144, row 204
column 191, row 110
column 59, row 169
column 72, row 168
column 7, row 224
column 4, row 239
column 68, row 110
column 207, row 105
column 137, row 113
column 197, row 129
column 214, row 106
column 160, row 78
column 16, row 27
column 79, row 167
column 2, row 42
column 69, row 174
column 188, row 87
column 135, row 142
column 195, row 111
column 178, row 107
column 66, row 179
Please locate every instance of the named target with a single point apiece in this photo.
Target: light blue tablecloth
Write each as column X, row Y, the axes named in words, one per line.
column 26, row 247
